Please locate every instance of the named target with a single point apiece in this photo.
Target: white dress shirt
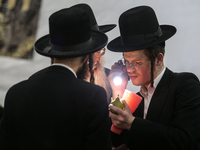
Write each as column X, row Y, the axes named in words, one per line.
column 147, row 93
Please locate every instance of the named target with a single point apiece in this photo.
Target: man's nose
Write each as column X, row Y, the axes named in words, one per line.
column 130, row 68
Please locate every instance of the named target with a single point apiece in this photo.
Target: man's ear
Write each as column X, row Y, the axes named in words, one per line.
column 159, row 59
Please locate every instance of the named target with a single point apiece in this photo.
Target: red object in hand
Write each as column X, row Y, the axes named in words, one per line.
column 133, row 100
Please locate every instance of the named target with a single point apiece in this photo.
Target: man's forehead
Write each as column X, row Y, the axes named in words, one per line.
column 139, row 54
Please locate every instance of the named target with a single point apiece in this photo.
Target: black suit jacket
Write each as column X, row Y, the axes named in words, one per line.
column 173, row 117
column 55, row 110
column 1, row 113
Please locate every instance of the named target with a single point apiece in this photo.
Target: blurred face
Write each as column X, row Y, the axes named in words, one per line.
column 98, row 55
column 138, row 68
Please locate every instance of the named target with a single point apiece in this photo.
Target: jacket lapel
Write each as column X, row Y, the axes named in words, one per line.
column 139, row 112
column 159, row 97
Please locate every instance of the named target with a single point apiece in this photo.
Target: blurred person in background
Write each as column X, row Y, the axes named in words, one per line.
column 100, row 73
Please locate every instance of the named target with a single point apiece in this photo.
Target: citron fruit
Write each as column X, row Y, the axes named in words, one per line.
column 117, row 103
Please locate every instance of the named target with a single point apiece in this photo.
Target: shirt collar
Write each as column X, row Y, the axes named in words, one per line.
column 158, row 78
column 145, row 91
column 59, row 64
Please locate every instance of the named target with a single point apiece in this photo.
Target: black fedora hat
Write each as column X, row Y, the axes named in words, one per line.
column 70, row 35
column 139, row 29
column 93, row 22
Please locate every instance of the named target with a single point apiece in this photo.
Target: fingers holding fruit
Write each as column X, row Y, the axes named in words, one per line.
column 120, row 114
column 117, row 103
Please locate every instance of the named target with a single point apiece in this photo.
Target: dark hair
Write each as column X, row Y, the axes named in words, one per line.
column 91, row 68
column 152, row 53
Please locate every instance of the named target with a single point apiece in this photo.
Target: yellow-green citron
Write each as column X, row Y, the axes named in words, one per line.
column 117, row 103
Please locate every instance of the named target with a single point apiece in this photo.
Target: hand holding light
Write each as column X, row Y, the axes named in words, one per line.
column 118, row 79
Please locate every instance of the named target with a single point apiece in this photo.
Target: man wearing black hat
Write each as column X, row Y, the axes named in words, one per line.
column 54, row 109
column 169, row 115
column 100, row 73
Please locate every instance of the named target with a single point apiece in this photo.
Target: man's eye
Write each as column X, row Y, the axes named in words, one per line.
column 138, row 63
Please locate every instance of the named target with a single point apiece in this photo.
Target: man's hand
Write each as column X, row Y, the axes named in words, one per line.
column 124, row 118
column 118, row 70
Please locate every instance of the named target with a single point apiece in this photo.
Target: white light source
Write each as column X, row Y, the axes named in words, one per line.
column 117, row 80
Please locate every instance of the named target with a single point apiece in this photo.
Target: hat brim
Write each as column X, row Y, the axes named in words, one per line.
column 98, row 41
column 116, row 44
column 106, row 28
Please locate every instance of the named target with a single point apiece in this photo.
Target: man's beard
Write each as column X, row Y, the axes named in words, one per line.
column 101, row 79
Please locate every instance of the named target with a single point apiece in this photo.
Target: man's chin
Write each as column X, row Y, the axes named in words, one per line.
column 135, row 83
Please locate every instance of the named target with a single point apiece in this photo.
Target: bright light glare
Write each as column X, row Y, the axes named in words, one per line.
column 117, row 81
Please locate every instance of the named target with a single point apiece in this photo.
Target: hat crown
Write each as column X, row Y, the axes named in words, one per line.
column 88, row 9
column 139, row 29
column 93, row 22
column 138, row 20
column 69, row 26
column 70, row 35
